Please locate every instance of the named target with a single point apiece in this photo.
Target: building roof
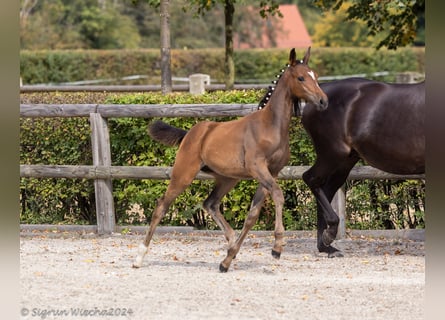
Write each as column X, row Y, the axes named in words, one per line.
column 290, row 31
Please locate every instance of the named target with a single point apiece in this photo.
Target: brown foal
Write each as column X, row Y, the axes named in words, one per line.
column 255, row 146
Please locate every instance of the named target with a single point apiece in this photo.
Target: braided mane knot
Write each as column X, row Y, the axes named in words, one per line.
column 263, row 102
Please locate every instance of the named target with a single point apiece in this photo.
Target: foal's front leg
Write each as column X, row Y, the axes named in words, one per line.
column 252, row 217
column 278, row 199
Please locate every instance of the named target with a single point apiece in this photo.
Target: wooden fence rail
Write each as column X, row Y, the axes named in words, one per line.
column 135, row 110
column 164, row 173
column 102, row 172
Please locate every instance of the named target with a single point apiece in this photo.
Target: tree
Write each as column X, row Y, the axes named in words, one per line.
column 25, row 9
column 166, row 74
column 267, row 7
column 398, row 20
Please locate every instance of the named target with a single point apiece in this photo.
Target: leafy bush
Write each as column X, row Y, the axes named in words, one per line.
column 251, row 66
column 56, row 141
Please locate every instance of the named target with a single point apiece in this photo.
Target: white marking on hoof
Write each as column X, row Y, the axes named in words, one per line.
column 142, row 250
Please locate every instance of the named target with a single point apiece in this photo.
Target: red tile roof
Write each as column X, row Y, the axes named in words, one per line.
column 290, row 31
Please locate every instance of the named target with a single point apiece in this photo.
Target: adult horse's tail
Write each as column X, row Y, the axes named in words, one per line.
column 165, row 133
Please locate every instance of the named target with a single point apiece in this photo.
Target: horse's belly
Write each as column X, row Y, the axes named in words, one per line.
column 408, row 161
column 396, row 145
column 225, row 165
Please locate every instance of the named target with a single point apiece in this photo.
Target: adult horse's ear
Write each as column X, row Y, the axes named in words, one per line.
column 306, row 56
column 292, row 57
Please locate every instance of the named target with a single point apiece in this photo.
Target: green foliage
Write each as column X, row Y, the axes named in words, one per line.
column 385, row 204
column 348, row 61
column 107, row 24
column 66, row 66
column 92, row 24
column 67, row 24
column 396, row 20
column 252, row 66
column 56, row 141
column 106, row 29
column 334, row 31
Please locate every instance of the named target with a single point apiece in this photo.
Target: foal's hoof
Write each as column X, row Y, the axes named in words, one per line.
column 222, row 269
column 276, row 254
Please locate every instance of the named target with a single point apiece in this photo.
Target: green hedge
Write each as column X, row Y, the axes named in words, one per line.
column 370, row 205
column 252, row 66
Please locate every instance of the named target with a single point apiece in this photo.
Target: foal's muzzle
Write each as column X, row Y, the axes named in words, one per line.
column 322, row 104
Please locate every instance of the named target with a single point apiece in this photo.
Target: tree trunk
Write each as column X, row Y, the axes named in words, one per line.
column 229, row 65
column 166, row 75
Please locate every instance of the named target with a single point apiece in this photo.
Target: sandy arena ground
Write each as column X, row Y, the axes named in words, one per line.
column 71, row 276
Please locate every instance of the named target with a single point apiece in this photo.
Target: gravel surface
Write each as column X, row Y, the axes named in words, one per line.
column 71, row 276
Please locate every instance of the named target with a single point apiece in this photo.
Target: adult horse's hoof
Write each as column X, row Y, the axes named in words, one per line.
column 330, row 250
column 276, row 254
column 335, row 254
column 222, row 269
column 327, row 238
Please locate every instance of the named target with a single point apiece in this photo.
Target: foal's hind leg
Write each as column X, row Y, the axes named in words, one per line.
column 222, row 186
column 183, row 174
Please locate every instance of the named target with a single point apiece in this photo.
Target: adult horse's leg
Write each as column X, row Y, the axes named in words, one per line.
column 212, row 205
column 254, row 212
column 324, row 185
column 183, row 173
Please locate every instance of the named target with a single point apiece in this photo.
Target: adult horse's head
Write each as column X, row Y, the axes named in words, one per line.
column 304, row 84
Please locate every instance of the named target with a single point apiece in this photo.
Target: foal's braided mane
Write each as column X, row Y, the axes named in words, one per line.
column 270, row 90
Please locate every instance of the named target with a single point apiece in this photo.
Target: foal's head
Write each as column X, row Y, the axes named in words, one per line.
column 303, row 82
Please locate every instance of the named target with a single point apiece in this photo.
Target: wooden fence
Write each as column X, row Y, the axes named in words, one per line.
column 102, row 172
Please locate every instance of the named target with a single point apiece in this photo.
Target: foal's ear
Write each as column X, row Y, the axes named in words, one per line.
column 306, row 56
column 292, row 57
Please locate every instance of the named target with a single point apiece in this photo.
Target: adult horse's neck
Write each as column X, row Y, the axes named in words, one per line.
column 279, row 108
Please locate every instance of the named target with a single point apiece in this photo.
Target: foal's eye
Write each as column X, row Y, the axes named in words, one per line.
column 300, row 78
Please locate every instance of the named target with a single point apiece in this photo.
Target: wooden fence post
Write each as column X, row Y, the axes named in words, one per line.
column 103, row 188
column 339, row 205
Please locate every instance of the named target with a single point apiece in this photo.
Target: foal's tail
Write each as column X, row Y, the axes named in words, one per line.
column 165, row 133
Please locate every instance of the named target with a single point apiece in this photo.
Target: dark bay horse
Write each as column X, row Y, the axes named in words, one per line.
column 381, row 123
column 255, row 146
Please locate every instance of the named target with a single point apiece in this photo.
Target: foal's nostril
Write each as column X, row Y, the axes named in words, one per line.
column 323, row 103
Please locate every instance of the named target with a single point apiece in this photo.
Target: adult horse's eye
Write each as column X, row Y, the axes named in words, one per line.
column 300, row 78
